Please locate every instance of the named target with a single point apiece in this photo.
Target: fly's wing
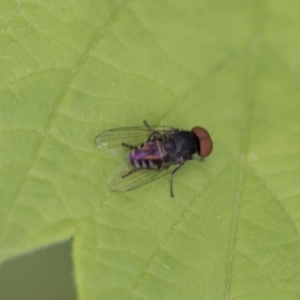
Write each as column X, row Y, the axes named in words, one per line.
column 112, row 139
column 127, row 178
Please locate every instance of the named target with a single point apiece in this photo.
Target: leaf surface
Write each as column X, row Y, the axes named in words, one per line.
column 72, row 69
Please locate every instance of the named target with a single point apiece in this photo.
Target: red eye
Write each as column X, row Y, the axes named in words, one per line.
column 205, row 142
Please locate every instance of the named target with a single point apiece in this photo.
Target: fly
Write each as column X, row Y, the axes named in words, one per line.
column 152, row 152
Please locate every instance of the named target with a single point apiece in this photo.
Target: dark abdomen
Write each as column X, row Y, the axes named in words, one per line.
column 147, row 156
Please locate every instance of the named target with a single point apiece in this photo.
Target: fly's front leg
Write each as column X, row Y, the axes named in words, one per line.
column 171, row 179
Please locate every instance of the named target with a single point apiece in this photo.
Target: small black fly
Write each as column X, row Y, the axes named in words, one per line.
column 152, row 152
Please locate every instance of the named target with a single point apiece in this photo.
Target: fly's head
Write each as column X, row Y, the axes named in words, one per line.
column 205, row 142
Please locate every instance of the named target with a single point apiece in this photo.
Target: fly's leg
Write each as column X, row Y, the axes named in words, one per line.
column 154, row 135
column 202, row 159
column 130, row 172
column 147, row 125
column 128, row 146
column 171, row 179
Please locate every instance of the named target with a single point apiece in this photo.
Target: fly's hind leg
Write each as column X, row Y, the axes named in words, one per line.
column 154, row 135
column 171, row 179
column 147, row 125
column 127, row 146
column 130, row 172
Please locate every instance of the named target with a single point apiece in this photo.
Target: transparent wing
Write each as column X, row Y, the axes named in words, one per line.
column 112, row 139
column 135, row 178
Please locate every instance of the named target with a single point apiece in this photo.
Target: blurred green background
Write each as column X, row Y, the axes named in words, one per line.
column 45, row 274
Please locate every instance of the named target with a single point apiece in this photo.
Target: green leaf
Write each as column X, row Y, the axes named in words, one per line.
column 70, row 70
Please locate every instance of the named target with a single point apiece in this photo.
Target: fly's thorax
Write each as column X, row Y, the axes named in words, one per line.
column 183, row 143
column 170, row 145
